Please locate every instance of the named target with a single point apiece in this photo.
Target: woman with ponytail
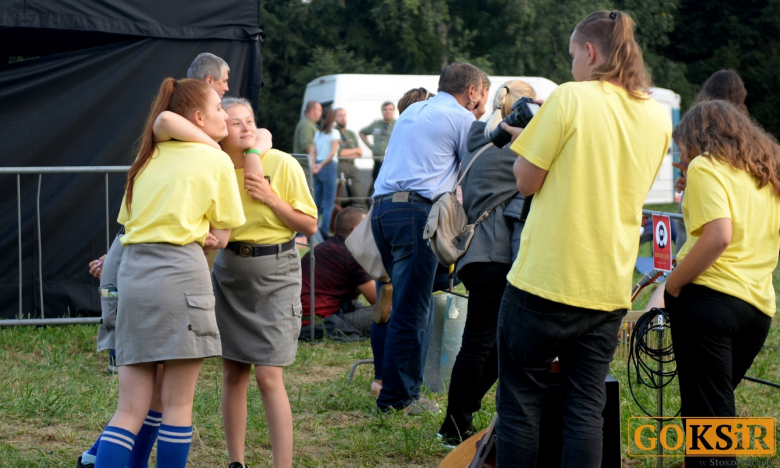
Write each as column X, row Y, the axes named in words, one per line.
column 720, row 298
column 260, row 261
column 181, row 199
column 589, row 157
column 490, row 187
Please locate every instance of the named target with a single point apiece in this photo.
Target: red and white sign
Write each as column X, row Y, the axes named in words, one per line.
column 662, row 243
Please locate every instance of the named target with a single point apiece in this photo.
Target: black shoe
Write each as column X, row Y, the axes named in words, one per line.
column 452, row 441
column 237, row 465
column 84, row 465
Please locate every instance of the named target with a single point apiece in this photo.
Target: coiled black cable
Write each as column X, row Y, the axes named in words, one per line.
column 644, row 345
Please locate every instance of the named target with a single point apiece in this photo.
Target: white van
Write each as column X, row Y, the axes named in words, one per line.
column 362, row 97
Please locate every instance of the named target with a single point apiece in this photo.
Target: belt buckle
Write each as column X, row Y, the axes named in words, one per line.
column 245, row 251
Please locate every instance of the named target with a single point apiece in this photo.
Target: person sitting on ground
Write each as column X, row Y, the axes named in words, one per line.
column 338, row 279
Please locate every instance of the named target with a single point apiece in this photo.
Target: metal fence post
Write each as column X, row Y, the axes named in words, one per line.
column 19, row 222
column 311, row 289
column 108, row 240
column 40, row 249
column 660, row 453
column 312, row 268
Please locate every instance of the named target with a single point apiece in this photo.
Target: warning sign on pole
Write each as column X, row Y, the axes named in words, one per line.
column 662, row 243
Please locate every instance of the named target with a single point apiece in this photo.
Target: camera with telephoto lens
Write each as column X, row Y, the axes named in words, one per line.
column 523, row 110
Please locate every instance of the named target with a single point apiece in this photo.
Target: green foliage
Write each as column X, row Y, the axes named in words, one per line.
column 745, row 36
column 684, row 41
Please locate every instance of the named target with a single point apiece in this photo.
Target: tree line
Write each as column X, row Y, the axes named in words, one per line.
column 684, row 41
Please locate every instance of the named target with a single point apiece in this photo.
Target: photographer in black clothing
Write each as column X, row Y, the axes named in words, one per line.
column 489, row 185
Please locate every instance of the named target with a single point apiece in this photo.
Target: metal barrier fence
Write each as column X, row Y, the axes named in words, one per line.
column 302, row 159
column 41, row 171
column 18, row 171
column 663, row 213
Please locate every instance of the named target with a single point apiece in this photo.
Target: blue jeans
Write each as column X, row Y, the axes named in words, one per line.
column 379, row 332
column 532, row 331
column 398, row 229
column 325, row 184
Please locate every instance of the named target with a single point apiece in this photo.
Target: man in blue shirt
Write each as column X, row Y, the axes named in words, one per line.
column 421, row 162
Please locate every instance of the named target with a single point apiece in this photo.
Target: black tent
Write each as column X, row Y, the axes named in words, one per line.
column 76, row 81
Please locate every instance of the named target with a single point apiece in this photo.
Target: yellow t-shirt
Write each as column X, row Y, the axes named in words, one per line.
column 184, row 188
column 288, row 182
column 715, row 190
column 603, row 150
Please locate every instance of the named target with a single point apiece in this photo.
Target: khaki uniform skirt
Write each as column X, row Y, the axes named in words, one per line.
column 166, row 305
column 108, row 305
column 258, row 306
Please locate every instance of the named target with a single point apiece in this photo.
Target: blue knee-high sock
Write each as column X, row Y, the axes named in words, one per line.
column 173, row 446
column 93, row 450
column 114, row 448
column 144, row 441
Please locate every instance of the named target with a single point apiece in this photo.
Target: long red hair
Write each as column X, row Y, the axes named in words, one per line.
column 179, row 96
column 720, row 130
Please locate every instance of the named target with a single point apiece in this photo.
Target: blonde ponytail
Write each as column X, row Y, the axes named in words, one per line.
column 612, row 32
column 507, row 95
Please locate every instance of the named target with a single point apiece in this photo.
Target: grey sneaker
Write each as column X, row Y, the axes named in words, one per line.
column 422, row 406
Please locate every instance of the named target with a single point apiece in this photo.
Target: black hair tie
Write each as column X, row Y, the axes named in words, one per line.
column 612, row 15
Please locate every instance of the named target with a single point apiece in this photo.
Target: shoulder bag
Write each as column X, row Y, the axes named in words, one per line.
column 447, row 230
column 362, row 246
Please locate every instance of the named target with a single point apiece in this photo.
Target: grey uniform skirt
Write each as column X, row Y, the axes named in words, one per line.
column 258, row 306
column 108, row 305
column 166, row 305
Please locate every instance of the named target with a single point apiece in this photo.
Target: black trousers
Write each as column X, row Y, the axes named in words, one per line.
column 532, row 331
column 476, row 367
column 715, row 337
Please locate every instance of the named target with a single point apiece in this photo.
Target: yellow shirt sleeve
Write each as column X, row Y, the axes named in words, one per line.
column 226, row 210
column 297, row 190
column 122, row 219
column 549, row 122
column 706, row 197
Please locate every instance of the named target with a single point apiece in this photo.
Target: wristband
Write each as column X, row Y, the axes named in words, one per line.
column 252, row 150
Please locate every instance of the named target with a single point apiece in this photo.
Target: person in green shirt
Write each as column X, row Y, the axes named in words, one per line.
column 303, row 139
column 380, row 130
column 349, row 150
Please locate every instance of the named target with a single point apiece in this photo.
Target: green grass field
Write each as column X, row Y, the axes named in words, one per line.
column 55, row 398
